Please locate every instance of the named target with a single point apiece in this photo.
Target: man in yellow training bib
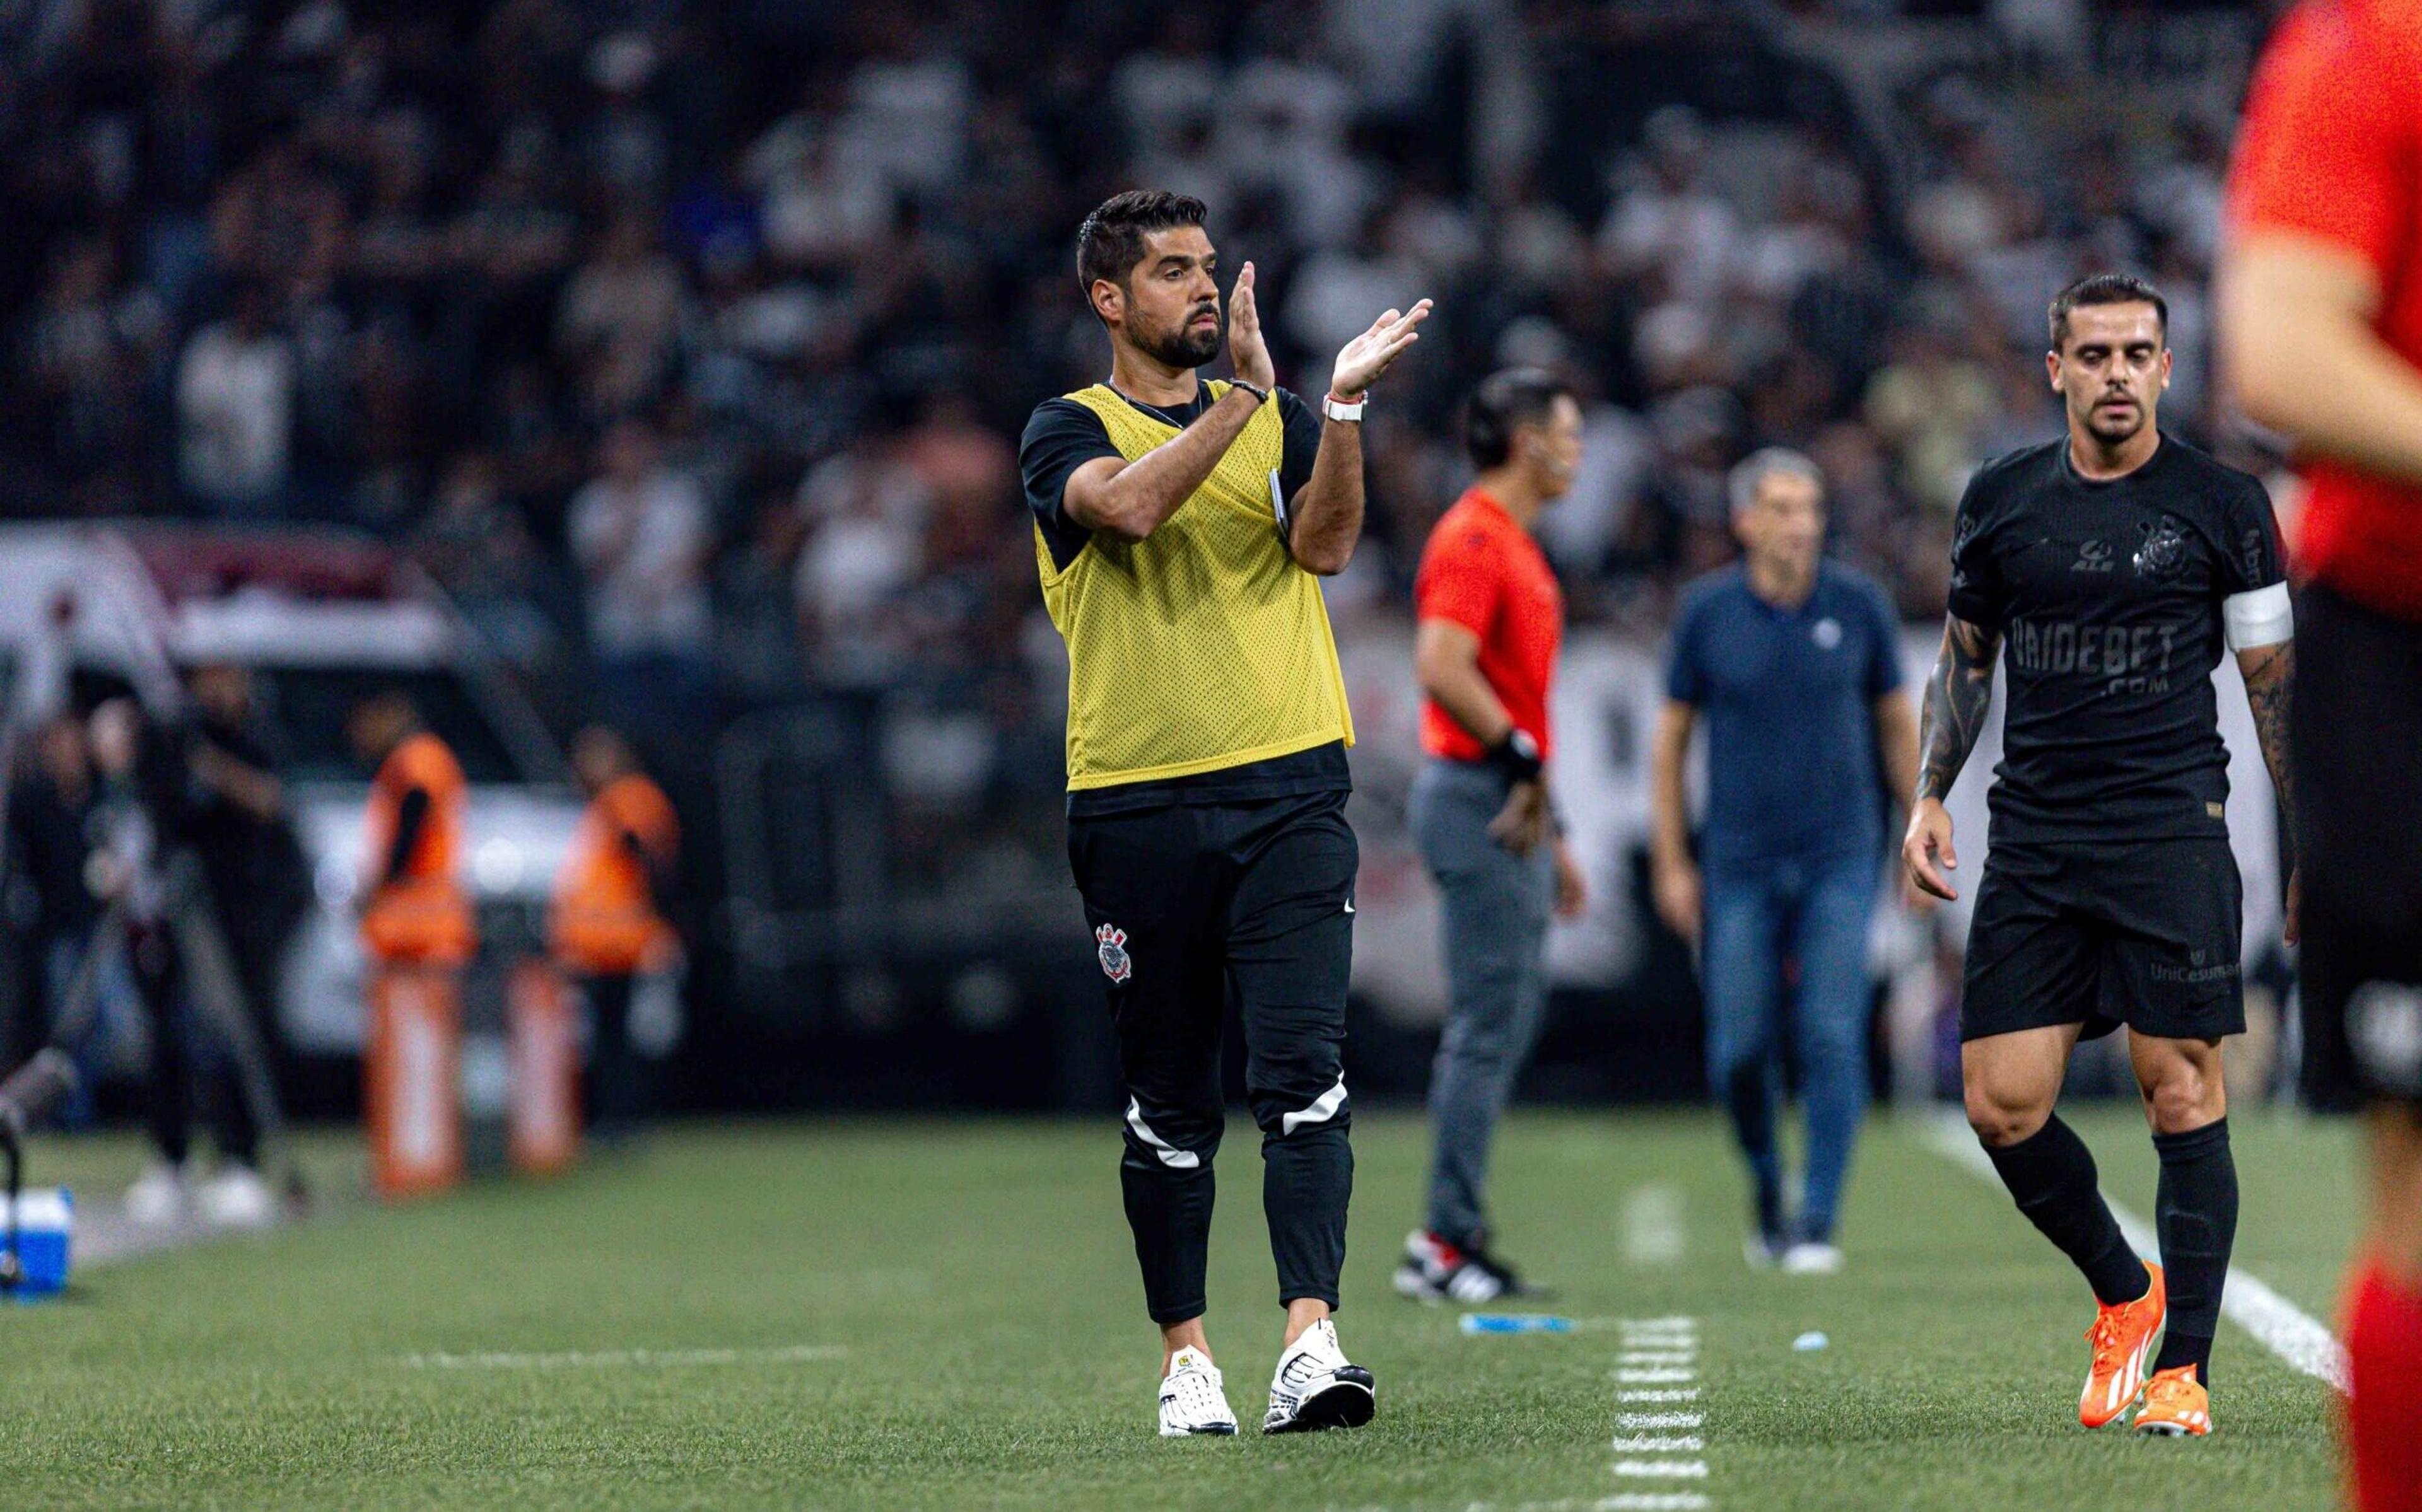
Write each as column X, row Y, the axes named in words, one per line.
column 1181, row 530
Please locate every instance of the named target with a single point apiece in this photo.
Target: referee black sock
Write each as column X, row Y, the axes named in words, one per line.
column 2196, row 1212
column 2050, row 1175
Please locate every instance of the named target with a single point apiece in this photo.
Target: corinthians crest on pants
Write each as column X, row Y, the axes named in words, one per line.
column 1114, row 943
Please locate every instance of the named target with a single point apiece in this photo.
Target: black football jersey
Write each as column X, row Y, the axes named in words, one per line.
column 2108, row 595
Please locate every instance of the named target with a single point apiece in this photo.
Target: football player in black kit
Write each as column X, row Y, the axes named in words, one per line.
column 2108, row 569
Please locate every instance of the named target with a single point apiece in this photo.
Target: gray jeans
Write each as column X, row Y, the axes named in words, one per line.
column 1496, row 922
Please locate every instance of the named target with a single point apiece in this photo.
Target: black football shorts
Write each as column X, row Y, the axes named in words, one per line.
column 2104, row 933
column 2356, row 729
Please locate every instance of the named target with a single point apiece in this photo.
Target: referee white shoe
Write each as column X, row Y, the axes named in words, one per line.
column 1316, row 1388
column 1192, row 1400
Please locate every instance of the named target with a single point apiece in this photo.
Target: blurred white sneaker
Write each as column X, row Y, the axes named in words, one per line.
column 1192, row 1400
column 1316, row 1387
column 157, row 1198
column 236, row 1197
column 1810, row 1258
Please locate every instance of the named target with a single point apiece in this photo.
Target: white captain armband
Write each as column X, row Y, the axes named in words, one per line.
column 2261, row 617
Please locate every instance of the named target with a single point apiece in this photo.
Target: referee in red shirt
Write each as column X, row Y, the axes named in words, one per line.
column 1491, row 619
column 2320, row 319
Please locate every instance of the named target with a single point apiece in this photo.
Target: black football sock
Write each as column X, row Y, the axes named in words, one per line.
column 2196, row 1213
column 2050, row 1175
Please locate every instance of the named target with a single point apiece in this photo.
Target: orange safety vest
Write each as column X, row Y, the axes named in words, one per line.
column 422, row 916
column 604, row 921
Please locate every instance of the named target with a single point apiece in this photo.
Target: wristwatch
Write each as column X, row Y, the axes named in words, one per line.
column 1337, row 408
column 1261, row 395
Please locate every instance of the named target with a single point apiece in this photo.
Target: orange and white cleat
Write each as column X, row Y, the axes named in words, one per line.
column 2122, row 1337
column 2176, row 1406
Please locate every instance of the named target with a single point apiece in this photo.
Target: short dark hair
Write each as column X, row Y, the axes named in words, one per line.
column 1111, row 243
column 1504, row 400
column 2106, row 288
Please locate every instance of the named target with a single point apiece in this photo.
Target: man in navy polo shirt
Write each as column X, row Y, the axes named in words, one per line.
column 1794, row 663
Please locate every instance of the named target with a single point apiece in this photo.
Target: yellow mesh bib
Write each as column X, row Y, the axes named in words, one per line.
column 1203, row 646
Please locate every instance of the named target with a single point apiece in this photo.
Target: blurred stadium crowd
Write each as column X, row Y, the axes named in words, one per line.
column 689, row 343
column 687, row 346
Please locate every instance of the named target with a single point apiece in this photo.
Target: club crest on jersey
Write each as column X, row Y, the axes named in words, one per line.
column 2163, row 553
column 1112, row 943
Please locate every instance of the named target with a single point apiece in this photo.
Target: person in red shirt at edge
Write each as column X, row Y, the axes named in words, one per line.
column 2320, row 323
column 1491, row 618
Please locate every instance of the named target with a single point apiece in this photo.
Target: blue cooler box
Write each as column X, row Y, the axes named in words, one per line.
column 45, row 1219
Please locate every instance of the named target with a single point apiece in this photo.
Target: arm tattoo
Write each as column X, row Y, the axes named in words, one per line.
column 2268, row 682
column 1957, row 695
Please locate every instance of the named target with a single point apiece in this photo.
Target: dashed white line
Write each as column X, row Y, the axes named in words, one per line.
column 1659, row 1443
column 1661, row 1469
column 1659, row 1363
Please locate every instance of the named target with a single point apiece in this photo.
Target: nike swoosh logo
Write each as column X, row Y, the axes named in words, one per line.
column 1349, row 905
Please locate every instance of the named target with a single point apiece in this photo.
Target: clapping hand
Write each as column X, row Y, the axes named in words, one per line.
column 1368, row 355
column 1248, row 354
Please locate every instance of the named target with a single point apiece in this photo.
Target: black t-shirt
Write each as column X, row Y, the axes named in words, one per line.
column 1062, row 436
column 2108, row 596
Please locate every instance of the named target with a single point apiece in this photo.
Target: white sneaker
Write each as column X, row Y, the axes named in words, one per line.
column 1316, row 1387
column 157, row 1198
column 1192, row 1400
column 1810, row 1258
column 236, row 1197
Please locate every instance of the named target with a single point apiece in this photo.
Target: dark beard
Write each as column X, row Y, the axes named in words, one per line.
column 2111, row 433
column 1178, row 349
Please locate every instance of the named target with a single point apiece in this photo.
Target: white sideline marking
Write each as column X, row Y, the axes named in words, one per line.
column 654, row 1359
column 1653, row 1232
column 1620, row 1501
column 1659, row 1349
column 2280, row 1326
column 1661, row 1469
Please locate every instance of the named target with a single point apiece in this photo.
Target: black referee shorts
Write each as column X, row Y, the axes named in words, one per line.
column 1193, row 903
column 2104, row 933
column 2355, row 727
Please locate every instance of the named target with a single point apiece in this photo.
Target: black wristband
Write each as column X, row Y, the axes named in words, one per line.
column 1517, row 757
column 1261, row 395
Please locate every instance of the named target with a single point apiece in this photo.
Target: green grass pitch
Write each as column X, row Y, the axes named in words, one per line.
column 945, row 1314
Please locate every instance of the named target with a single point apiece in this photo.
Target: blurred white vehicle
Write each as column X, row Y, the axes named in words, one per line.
column 322, row 619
